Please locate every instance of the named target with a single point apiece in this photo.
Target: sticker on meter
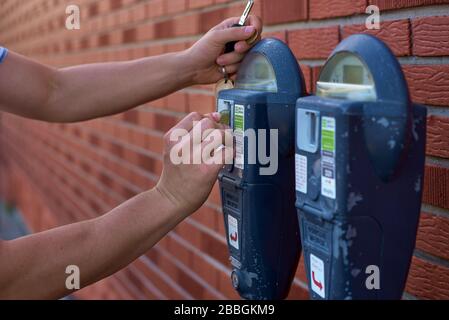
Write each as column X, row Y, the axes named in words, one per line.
column 233, row 231
column 317, row 276
column 301, row 173
column 328, row 156
column 239, row 134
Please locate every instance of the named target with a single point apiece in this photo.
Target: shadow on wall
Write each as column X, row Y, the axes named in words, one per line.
column 12, row 224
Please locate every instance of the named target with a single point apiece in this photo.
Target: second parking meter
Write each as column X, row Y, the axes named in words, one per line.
column 257, row 190
column 360, row 152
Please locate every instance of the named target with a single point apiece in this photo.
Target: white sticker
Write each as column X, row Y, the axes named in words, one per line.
column 317, row 276
column 233, row 231
column 328, row 155
column 239, row 134
column 328, row 187
column 301, row 173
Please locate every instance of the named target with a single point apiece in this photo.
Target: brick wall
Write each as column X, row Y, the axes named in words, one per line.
column 59, row 174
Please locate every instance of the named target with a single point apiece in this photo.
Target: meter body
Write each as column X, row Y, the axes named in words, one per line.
column 258, row 197
column 360, row 152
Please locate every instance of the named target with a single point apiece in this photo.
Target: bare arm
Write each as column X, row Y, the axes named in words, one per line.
column 88, row 91
column 78, row 93
column 34, row 267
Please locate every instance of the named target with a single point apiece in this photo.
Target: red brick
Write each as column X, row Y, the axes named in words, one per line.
column 201, row 103
column 431, row 36
column 175, row 6
column 313, row 43
column 316, row 70
column 396, row 34
column 115, row 4
column 298, row 292
column 433, row 233
column 438, row 136
column 436, row 186
column 428, row 84
column 398, row 4
column 210, row 19
column 306, row 71
column 225, row 286
column 164, row 29
column 427, row 280
column 289, row 11
column 320, row 9
column 200, row 3
column 145, row 32
column 93, row 9
column 155, row 8
column 186, row 25
column 178, row 102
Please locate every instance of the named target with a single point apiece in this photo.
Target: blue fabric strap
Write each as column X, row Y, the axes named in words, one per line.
column 3, row 54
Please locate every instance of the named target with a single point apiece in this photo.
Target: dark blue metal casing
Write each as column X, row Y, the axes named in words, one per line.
column 259, row 211
column 379, row 154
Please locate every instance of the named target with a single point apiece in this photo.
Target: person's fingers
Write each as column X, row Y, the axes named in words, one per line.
column 232, row 68
column 215, row 116
column 230, row 58
column 181, row 129
column 215, row 142
column 188, row 122
column 256, row 22
column 212, row 141
column 221, row 37
column 244, row 46
column 202, row 126
column 222, row 156
column 228, row 23
column 216, row 138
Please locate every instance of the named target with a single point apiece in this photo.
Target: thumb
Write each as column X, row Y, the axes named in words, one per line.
column 224, row 36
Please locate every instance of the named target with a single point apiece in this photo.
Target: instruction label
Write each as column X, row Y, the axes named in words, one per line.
column 301, row 173
column 239, row 134
column 328, row 156
column 317, row 276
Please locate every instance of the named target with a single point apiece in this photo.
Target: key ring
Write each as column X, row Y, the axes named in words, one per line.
column 225, row 74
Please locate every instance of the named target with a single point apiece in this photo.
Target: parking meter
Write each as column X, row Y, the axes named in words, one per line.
column 360, row 152
column 258, row 189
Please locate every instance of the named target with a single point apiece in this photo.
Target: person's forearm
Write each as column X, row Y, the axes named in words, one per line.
column 91, row 91
column 34, row 267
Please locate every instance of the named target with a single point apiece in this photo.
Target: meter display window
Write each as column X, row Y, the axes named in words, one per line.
column 345, row 76
column 257, row 74
column 225, row 108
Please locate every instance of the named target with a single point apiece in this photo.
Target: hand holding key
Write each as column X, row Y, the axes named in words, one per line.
column 206, row 57
column 230, row 45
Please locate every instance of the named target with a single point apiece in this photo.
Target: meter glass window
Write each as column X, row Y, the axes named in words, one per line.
column 345, row 76
column 257, row 73
column 225, row 108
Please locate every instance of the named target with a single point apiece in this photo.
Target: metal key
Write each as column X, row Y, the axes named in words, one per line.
column 230, row 46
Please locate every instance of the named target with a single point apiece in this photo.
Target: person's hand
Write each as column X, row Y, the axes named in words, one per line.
column 206, row 56
column 187, row 185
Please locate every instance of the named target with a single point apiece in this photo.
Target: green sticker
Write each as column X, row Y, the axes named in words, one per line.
column 239, row 114
column 328, row 155
column 328, row 134
column 239, row 134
